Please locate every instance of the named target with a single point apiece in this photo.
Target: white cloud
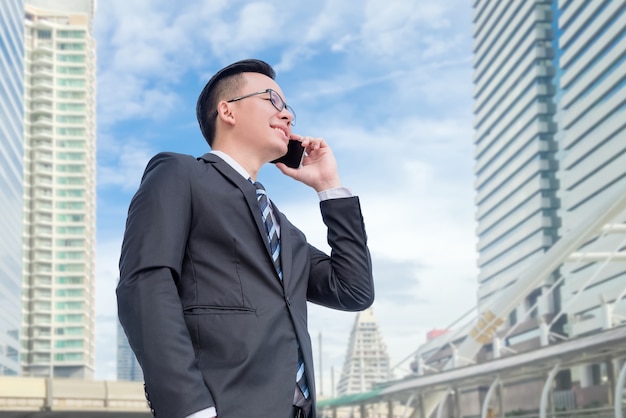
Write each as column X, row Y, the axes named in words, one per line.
column 419, row 250
column 336, row 17
column 406, row 152
column 124, row 165
column 413, row 177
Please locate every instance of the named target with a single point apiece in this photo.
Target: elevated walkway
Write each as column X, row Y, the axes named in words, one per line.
column 449, row 368
column 22, row 397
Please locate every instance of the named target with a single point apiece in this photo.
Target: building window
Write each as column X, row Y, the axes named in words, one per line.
column 44, row 34
column 70, row 280
column 71, row 58
column 70, row 46
column 75, row 34
column 74, row 268
column 71, row 82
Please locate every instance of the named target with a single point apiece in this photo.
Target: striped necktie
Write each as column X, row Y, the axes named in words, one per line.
column 272, row 236
column 270, row 229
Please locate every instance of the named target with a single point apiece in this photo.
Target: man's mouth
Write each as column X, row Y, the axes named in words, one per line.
column 282, row 130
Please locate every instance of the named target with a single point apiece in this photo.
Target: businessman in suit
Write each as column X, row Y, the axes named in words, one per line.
column 214, row 279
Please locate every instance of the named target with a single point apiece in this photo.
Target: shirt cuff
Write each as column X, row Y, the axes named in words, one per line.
column 205, row 413
column 337, row 193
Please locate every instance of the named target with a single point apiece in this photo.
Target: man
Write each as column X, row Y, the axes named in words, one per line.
column 213, row 287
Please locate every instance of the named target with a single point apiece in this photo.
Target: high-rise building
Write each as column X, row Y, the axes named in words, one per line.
column 550, row 144
column 367, row 361
column 515, row 145
column 128, row 367
column 11, row 173
column 550, row 121
column 60, row 195
column 591, row 115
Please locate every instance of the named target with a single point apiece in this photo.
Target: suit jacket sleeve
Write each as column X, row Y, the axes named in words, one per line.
column 344, row 280
column 149, row 307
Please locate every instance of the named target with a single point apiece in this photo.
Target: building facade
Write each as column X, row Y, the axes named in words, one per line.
column 592, row 139
column 550, row 144
column 515, row 145
column 367, row 361
column 128, row 367
column 60, row 194
column 11, row 174
column 550, row 148
column 591, row 82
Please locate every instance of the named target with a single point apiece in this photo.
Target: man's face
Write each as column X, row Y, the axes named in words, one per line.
column 264, row 130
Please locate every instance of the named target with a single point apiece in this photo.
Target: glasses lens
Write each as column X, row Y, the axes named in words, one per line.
column 276, row 100
column 279, row 104
column 293, row 115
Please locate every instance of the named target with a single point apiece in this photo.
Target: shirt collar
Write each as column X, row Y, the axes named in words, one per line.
column 231, row 162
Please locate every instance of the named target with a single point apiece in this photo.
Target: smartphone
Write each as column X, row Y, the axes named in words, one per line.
column 293, row 158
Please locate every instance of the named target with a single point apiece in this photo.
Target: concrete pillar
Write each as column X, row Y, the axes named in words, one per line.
column 457, row 403
column 544, row 333
column 497, row 347
column 610, row 378
column 586, row 376
column 419, row 361
column 619, row 392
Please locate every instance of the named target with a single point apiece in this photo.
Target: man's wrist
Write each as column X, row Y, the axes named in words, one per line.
column 335, row 193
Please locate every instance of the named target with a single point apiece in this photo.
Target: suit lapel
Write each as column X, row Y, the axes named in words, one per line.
column 247, row 189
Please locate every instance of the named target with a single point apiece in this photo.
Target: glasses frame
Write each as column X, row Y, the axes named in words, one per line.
column 274, row 96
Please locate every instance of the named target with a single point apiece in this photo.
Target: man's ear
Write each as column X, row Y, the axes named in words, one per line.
column 225, row 113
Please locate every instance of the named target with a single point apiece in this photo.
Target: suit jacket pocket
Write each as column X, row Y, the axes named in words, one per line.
column 221, row 334
column 218, row 310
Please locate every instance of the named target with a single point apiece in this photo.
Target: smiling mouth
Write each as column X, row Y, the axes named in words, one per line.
column 283, row 131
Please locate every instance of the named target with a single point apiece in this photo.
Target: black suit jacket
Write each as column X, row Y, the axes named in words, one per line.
column 199, row 298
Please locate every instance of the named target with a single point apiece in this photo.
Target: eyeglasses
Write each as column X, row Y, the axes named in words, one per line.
column 275, row 99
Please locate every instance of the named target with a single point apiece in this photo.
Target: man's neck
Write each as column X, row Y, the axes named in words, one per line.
column 245, row 163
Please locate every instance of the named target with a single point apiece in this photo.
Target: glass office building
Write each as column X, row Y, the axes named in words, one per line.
column 591, row 81
column 550, row 146
column 515, row 143
column 11, row 172
column 550, row 149
column 58, row 332
column 128, row 367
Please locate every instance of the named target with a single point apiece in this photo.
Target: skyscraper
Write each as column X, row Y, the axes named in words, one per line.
column 367, row 360
column 11, row 172
column 59, row 199
column 550, row 144
column 128, row 367
column 515, row 145
column 550, row 120
column 591, row 115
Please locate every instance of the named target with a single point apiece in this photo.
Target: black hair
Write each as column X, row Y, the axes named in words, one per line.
column 224, row 81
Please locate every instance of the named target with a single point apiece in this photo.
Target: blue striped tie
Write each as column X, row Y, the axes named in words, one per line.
column 270, row 229
column 272, row 236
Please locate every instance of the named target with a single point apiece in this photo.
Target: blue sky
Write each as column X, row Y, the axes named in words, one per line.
column 386, row 83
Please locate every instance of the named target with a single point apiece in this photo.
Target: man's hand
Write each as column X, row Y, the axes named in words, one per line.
column 319, row 167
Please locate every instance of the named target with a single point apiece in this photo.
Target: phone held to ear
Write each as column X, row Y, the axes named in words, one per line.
column 293, row 158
